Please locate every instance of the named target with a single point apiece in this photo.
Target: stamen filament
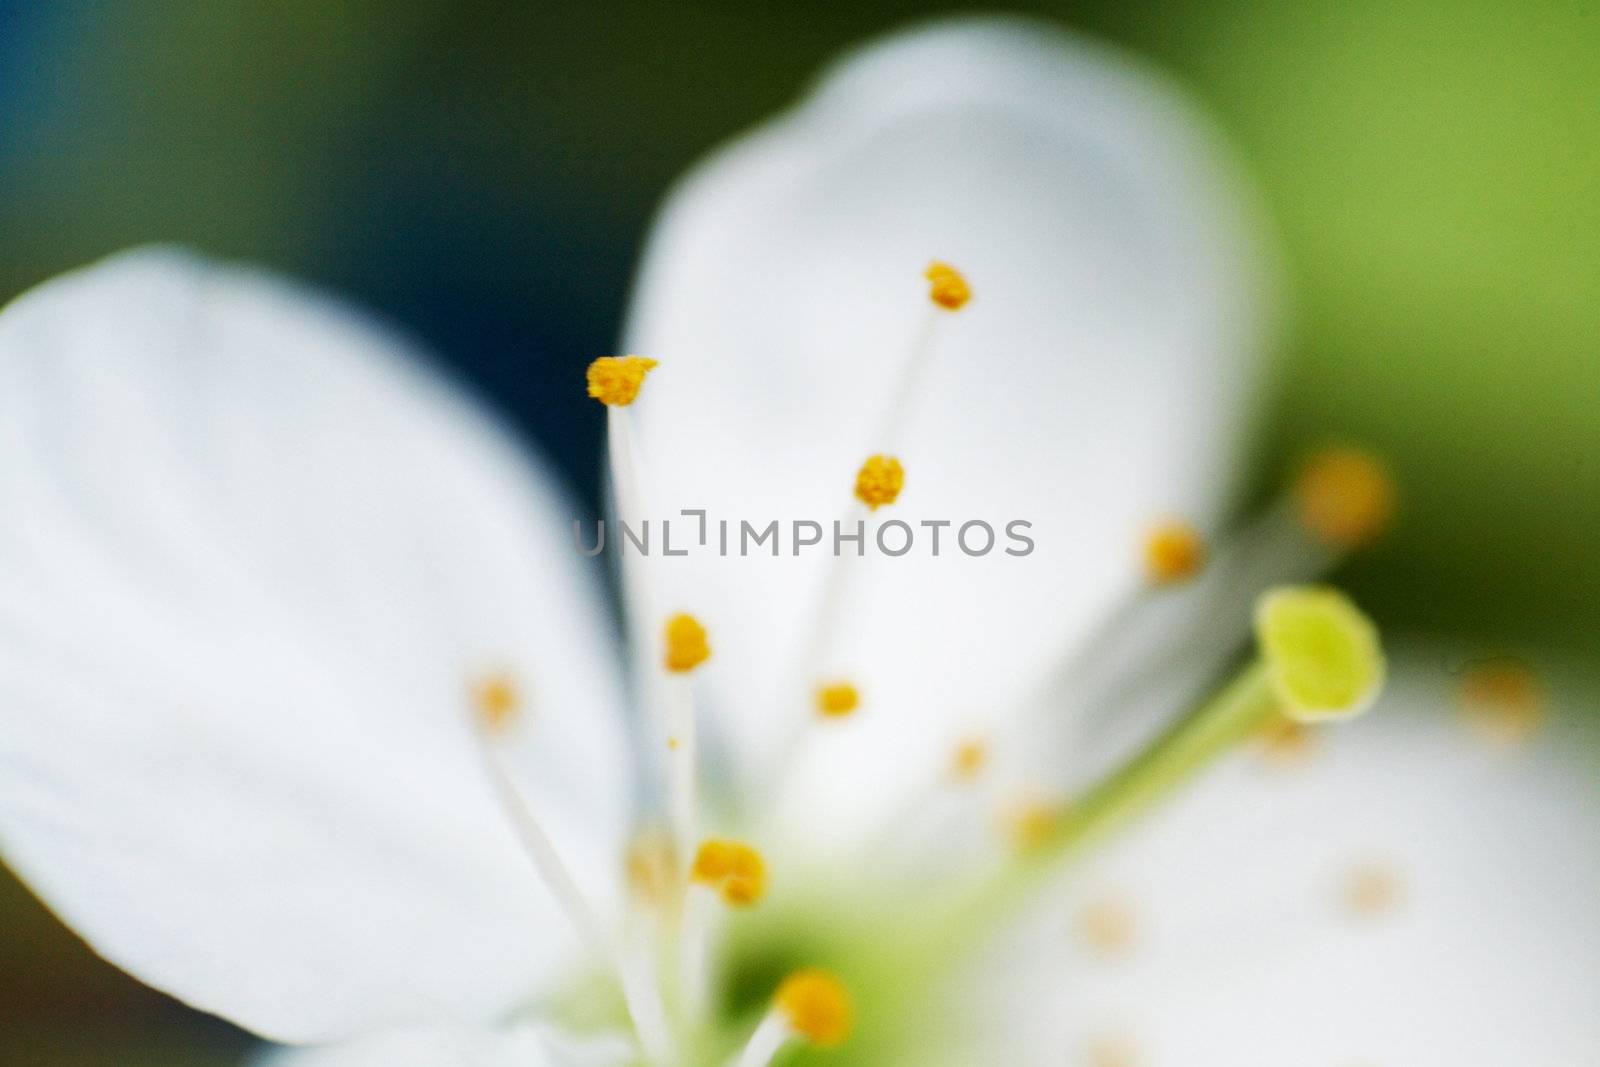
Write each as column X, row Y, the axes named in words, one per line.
column 911, row 381
column 909, row 386
column 640, row 993
column 695, row 950
column 810, row 1005
column 627, row 494
column 681, row 762
column 766, row 1042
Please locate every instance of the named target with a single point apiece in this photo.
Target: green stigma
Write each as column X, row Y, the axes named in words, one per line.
column 1322, row 651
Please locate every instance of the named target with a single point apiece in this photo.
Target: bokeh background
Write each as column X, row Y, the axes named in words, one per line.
column 484, row 174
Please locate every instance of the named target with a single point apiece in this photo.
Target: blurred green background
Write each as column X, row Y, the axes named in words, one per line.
column 484, row 174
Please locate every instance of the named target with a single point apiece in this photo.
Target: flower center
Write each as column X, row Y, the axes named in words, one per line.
column 1318, row 659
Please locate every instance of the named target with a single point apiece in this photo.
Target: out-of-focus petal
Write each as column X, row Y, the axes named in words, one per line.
column 1095, row 382
column 442, row 1047
column 1396, row 890
column 252, row 556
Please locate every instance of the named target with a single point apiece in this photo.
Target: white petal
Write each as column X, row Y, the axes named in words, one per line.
column 423, row 1048
column 1094, row 383
column 252, row 552
column 1248, row 946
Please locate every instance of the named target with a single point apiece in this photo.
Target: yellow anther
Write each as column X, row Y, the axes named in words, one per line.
column 1345, row 496
column 816, row 1005
column 713, row 862
column 970, row 758
column 1108, row 927
column 947, row 287
column 496, row 701
column 1287, row 743
column 879, row 481
column 743, row 892
column 1323, row 654
column 1370, row 890
column 1032, row 822
column 1503, row 701
column 652, row 866
column 686, row 646
column 734, row 869
column 837, row 699
column 616, row 380
column 1173, row 552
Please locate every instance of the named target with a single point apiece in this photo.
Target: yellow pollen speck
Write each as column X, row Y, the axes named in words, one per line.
column 1108, row 927
column 879, row 481
column 1286, row 742
column 652, row 866
column 816, row 1006
column 1370, row 890
column 732, row 868
column 947, row 287
column 837, row 700
column 969, row 759
column 1502, row 700
column 616, row 380
column 1345, row 496
column 1031, row 822
column 496, row 701
column 1173, row 551
column 686, row 646
column 1112, row 1050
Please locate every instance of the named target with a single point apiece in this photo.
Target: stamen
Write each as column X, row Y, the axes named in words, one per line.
column 616, row 380
column 652, row 867
column 1031, row 822
column 1502, row 701
column 817, row 1007
column 733, row 869
column 838, row 699
column 879, row 481
column 947, row 287
column 811, row 1005
column 970, row 758
column 736, row 873
column 1108, row 927
column 1370, row 890
column 1345, row 496
column 686, row 645
column 1324, row 653
column 640, row 993
column 1112, row 1050
column 1173, row 552
column 1286, row 742
column 496, row 701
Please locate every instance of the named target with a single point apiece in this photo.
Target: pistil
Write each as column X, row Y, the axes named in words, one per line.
column 1318, row 660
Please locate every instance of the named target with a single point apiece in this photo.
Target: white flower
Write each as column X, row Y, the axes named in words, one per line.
column 311, row 717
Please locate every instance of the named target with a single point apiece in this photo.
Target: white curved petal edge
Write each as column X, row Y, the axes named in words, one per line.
column 513, row 1046
column 1404, row 890
column 254, row 554
column 1099, row 379
column 437, row 1047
